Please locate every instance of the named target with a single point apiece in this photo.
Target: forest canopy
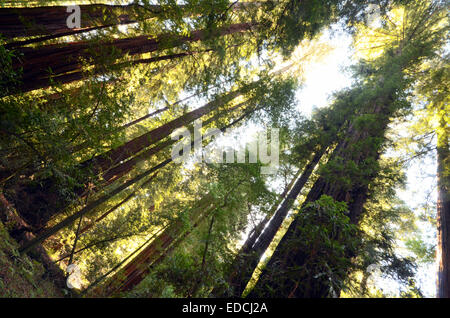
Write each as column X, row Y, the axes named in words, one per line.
column 163, row 149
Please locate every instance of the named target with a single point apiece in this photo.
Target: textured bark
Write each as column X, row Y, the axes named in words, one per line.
column 22, row 22
column 42, row 199
column 58, row 61
column 85, row 145
column 66, row 78
column 285, row 258
column 443, row 209
column 51, row 21
column 120, row 170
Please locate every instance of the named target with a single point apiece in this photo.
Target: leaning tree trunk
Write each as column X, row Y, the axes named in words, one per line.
column 248, row 258
column 136, row 270
column 43, row 197
column 286, row 258
column 128, row 168
column 352, row 167
column 45, row 234
column 52, row 20
column 50, row 62
column 114, row 156
column 122, row 169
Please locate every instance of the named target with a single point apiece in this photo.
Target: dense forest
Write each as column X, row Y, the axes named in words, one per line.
column 161, row 149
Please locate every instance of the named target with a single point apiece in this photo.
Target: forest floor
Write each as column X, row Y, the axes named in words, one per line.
column 21, row 276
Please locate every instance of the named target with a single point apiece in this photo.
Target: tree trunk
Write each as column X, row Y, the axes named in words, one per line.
column 120, row 170
column 360, row 145
column 67, row 78
column 443, row 209
column 114, row 156
column 252, row 252
column 27, row 246
column 136, row 270
column 118, row 205
column 51, row 20
column 50, row 62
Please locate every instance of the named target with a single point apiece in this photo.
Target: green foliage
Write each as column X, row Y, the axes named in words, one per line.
column 324, row 239
column 424, row 252
column 46, row 134
column 21, row 276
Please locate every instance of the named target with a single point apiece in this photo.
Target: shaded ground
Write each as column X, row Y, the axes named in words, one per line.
column 21, row 276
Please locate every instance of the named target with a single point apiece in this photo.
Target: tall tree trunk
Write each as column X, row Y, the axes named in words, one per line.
column 443, row 208
column 120, row 172
column 49, row 62
column 67, row 78
column 354, row 196
column 118, row 205
column 114, row 156
column 136, row 270
column 249, row 257
column 43, row 197
column 122, row 169
column 359, row 146
column 51, row 20
column 88, row 208
column 85, row 144
column 27, row 246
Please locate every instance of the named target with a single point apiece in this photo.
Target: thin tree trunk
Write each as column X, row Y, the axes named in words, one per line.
column 88, row 208
column 135, row 271
column 251, row 254
column 118, row 205
column 443, row 208
column 97, row 292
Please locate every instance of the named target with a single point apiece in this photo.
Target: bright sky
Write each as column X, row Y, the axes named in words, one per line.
column 328, row 76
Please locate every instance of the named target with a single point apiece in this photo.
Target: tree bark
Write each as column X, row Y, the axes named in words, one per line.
column 361, row 144
column 114, row 156
column 51, row 20
column 66, row 78
column 443, row 208
column 63, row 62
